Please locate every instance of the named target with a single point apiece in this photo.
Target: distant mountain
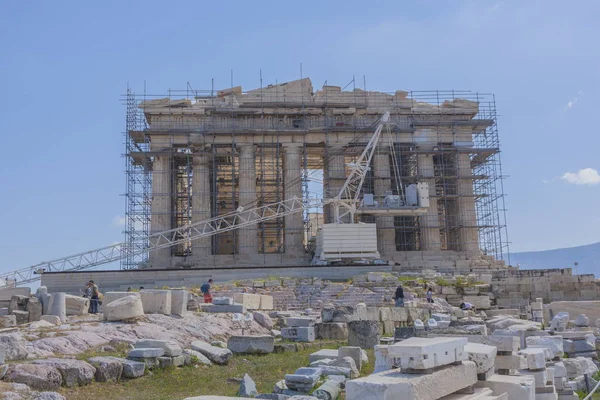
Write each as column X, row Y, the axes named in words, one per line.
column 587, row 256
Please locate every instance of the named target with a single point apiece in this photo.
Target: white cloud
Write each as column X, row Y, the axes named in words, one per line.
column 118, row 221
column 571, row 103
column 586, row 176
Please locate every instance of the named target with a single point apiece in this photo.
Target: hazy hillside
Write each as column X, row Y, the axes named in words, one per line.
column 587, row 256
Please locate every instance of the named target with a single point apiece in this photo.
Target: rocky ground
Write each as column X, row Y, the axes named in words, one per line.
column 83, row 333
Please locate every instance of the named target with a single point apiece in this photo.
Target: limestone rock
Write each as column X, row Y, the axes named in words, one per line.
column 7, row 321
column 215, row 354
column 34, row 307
column 393, row 384
column 579, row 366
column 554, row 343
column 53, row 319
column 251, row 344
column 517, row 387
column 582, row 320
column 263, row 320
column 219, row 343
column 482, row 355
column 354, row 352
column 18, row 303
column 14, row 347
column 125, row 308
column 330, row 390
column 133, row 369
column 22, row 317
column 49, row 396
column 332, row 331
column 364, row 334
column 200, row 358
column 74, row 372
column 40, row 377
column 108, row 369
column 349, row 368
column 40, row 325
column 76, row 305
column 171, row 348
column 179, row 301
column 156, row 301
column 146, row 352
column 247, row 387
column 57, row 306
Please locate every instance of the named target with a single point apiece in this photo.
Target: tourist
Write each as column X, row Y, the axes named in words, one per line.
column 205, row 289
column 399, row 296
column 87, row 293
column 429, row 295
column 95, row 298
column 466, row 306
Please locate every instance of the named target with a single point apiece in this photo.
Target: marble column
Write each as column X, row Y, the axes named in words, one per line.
column 201, row 248
column 336, row 176
column 247, row 236
column 386, row 232
column 430, row 222
column 294, row 223
column 160, row 219
column 467, row 216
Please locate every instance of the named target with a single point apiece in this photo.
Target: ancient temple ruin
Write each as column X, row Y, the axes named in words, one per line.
column 197, row 154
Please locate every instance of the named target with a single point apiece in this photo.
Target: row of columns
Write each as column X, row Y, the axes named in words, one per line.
column 201, row 201
column 294, row 226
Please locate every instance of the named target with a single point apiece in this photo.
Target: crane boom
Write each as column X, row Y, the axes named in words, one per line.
column 115, row 252
column 347, row 200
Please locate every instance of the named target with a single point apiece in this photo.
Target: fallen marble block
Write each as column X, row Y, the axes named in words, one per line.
column 393, row 384
column 171, row 348
column 323, row 354
column 426, row 353
column 76, row 305
column 516, row 387
column 156, row 301
column 482, row 355
column 299, row 322
column 213, row 353
column 536, row 358
column 125, row 308
column 146, row 353
column 222, row 301
column 579, row 366
column 299, row 334
column 554, row 343
column 251, row 344
column 303, row 379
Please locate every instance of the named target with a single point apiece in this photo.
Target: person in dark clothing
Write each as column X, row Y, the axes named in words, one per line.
column 95, row 298
column 429, row 295
column 399, row 296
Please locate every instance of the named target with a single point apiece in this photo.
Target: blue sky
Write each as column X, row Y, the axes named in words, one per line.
column 64, row 66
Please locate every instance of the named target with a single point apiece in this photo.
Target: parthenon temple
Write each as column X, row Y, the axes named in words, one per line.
column 195, row 155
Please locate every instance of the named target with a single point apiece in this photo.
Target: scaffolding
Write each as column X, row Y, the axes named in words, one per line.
column 427, row 143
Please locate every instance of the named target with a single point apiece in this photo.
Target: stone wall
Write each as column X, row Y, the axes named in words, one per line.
column 515, row 288
column 74, row 282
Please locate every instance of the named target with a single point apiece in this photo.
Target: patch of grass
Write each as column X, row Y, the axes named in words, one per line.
column 583, row 393
column 179, row 383
column 442, row 282
column 121, row 350
column 460, row 282
column 405, row 278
